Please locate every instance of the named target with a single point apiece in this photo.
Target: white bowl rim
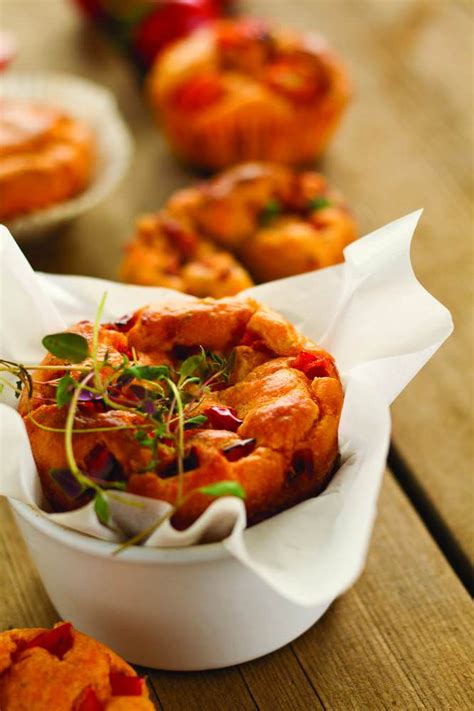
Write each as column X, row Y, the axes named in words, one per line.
column 136, row 555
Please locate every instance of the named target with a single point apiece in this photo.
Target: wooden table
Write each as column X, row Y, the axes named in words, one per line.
column 401, row 637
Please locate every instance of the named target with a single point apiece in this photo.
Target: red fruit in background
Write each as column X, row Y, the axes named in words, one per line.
column 171, row 20
column 92, row 8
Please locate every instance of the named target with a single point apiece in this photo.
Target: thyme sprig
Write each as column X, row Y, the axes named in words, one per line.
column 162, row 398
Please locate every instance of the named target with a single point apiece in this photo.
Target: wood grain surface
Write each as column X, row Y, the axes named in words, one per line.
column 400, row 638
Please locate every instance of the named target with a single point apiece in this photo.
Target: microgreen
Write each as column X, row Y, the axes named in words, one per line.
column 223, row 488
column 147, row 372
column 270, row 212
column 68, row 346
column 64, row 390
column 317, row 203
column 101, row 507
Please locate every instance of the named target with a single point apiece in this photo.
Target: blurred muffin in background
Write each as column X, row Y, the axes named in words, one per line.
column 240, row 89
column 64, row 670
column 46, row 157
column 268, row 219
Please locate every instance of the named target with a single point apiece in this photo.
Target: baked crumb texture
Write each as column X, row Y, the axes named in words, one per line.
column 64, row 670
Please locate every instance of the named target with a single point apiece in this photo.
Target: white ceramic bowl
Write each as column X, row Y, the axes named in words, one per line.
column 179, row 609
column 97, row 107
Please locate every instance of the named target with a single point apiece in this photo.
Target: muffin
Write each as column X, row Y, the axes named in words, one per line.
column 167, row 252
column 65, row 670
column 277, row 222
column 241, row 90
column 219, row 391
column 46, row 157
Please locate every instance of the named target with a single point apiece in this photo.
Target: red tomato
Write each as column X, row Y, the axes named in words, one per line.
column 171, row 20
column 91, row 8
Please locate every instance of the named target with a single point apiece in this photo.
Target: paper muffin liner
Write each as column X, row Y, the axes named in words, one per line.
column 371, row 313
column 97, row 107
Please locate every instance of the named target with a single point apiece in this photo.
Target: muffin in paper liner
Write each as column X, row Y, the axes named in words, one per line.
column 95, row 106
column 241, row 90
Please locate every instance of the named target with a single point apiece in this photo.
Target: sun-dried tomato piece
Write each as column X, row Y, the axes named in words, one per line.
column 223, row 418
column 57, row 641
column 100, row 463
column 123, row 685
column 313, row 366
column 241, row 449
column 198, row 92
column 125, row 323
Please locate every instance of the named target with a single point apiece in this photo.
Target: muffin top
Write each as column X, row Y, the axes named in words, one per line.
column 177, row 398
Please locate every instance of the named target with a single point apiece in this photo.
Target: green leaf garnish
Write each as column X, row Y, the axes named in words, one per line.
column 147, row 372
column 317, row 203
column 64, row 390
column 270, row 212
column 68, row 346
column 101, row 507
column 198, row 420
column 191, row 364
column 223, row 488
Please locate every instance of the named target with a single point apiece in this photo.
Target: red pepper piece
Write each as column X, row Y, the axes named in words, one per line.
column 223, row 418
column 198, row 92
column 123, row 685
column 254, row 341
column 88, row 701
column 313, row 366
column 236, row 451
column 57, row 641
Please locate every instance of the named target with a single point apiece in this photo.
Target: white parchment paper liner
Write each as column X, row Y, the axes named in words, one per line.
column 97, row 107
column 371, row 313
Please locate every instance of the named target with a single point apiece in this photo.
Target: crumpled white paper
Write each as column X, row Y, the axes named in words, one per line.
column 371, row 313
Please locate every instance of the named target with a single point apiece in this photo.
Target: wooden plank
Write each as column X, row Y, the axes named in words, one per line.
column 213, row 691
column 402, row 637
column 23, row 599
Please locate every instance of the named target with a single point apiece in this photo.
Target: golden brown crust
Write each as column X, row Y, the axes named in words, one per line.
column 183, row 246
column 45, row 157
column 166, row 252
column 289, row 412
column 241, row 90
column 37, row 679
